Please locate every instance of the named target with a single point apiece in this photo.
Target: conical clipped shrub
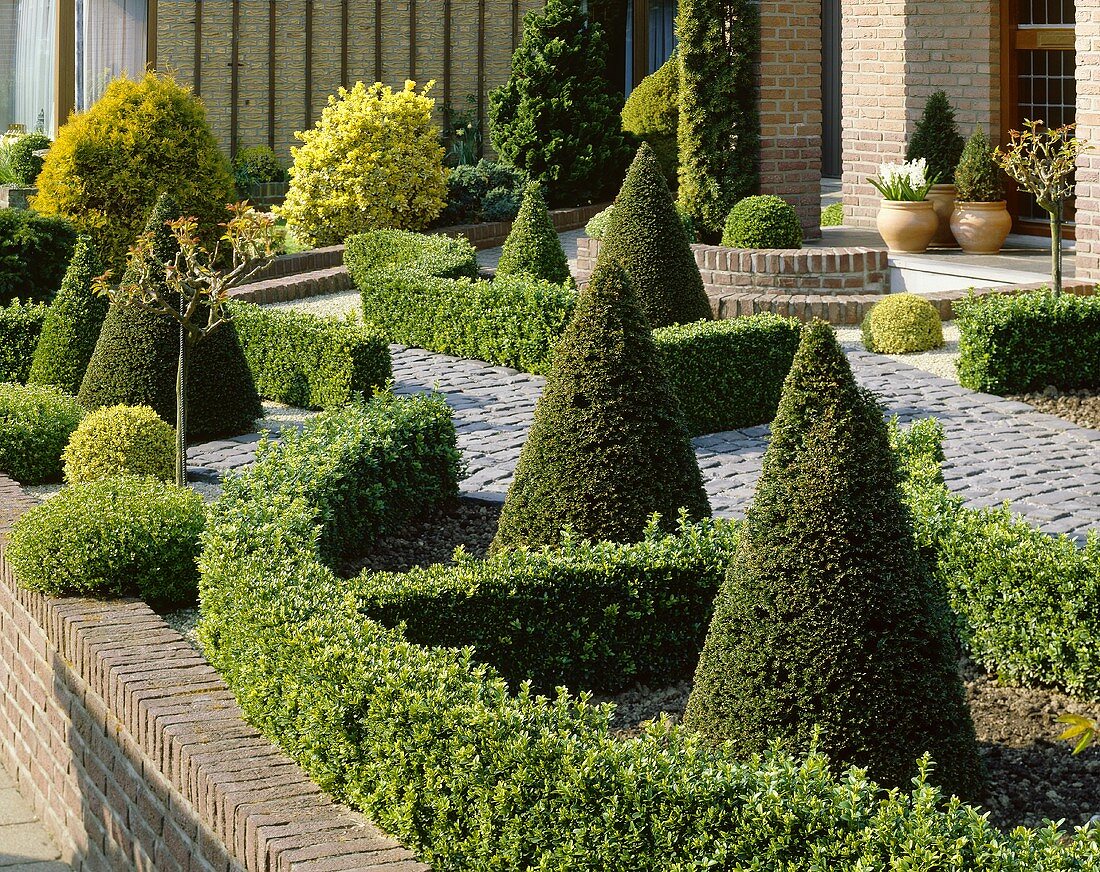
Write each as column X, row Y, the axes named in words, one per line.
column 829, row 619
column 72, row 324
column 607, row 448
column 137, row 355
column 936, row 138
column 532, row 247
column 647, row 238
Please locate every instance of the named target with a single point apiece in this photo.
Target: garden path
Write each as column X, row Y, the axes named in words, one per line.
column 25, row 846
column 997, row 450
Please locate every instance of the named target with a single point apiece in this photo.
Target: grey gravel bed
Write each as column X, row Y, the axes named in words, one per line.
column 940, row 361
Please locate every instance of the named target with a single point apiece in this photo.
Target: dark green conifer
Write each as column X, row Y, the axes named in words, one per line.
column 532, row 247
column 829, row 619
column 646, row 236
column 607, row 448
column 137, row 355
column 936, row 138
column 72, row 324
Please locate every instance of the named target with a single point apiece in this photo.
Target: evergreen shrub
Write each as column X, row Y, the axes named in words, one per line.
column 830, row 630
column 121, row 440
column 902, row 324
column 481, row 192
column 597, row 224
column 312, row 363
column 978, row 178
column 119, row 536
column 763, row 222
column 652, row 113
column 72, row 324
column 557, row 116
column 832, row 215
column 646, row 237
column 256, row 165
column 532, row 248
column 34, row 252
column 25, row 164
column 607, row 448
column 937, row 140
column 20, row 327
column 441, row 256
column 36, row 422
column 110, row 164
column 372, row 160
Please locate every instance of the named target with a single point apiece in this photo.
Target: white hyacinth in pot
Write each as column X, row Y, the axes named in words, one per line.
column 906, row 220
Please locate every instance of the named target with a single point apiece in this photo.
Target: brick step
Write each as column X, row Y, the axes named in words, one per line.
column 282, row 289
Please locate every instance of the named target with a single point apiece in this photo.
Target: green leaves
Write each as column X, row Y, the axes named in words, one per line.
column 532, row 248
column 1082, row 731
column 35, row 425
column 20, row 328
column 936, row 139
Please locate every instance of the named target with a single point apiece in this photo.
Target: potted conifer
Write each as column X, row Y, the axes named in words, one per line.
column 937, row 140
column 980, row 220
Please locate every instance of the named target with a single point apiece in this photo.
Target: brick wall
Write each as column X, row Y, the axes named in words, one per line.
column 1088, row 127
column 134, row 753
column 790, row 106
column 895, row 54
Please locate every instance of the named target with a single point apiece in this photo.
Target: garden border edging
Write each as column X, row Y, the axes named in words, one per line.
column 135, row 755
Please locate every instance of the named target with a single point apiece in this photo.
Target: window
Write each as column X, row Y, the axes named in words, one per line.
column 111, row 40
column 27, row 52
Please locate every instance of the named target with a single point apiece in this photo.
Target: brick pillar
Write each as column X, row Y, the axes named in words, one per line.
column 790, row 106
column 895, row 54
column 1088, row 127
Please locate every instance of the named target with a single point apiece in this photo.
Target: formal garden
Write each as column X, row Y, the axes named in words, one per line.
column 596, row 665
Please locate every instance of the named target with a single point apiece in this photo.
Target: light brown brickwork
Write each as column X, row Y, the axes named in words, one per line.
column 790, row 106
column 1088, row 127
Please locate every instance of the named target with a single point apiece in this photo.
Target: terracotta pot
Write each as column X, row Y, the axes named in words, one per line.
column 981, row 228
column 943, row 201
column 906, row 226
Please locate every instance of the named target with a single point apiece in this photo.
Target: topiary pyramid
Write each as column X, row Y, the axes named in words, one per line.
column 607, row 448
column 828, row 618
column 72, row 324
column 137, row 354
column 936, row 138
column 646, row 236
column 532, row 247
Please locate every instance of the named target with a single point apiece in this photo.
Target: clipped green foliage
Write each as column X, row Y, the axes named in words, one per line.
column 598, row 616
column 36, row 422
column 652, row 113
column 34, row 251
column 646, row 237
column 119, row 536
column 597, row 224
column 1025, row 342
column 136, row 359
column 442, row 256
column 485, row 191
column 121, row 440
column 937, row 139
column 532, row 248
column 902, row 324
column 719, row 131
column 312, row 363
column 20, row 327
column 977, row 177
column 830, row 630
column 25, row 164
column 763, row 222
column 110, row 164
column 557, row 116
column 833, row 215
column 72, row 324
column 607, row 447
column 728, row 374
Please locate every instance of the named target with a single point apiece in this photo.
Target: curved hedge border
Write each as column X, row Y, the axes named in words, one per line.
column 20, row 327
column 440, row 752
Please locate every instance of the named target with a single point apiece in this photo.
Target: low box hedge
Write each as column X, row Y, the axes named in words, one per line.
column 442, row 256
column 597, row 616
column 1017, row 343
column 310, row 362
column 36, row 423
column 20, row 327
column 34, row 253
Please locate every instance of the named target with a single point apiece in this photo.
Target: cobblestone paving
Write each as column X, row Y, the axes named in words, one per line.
column 997, row 450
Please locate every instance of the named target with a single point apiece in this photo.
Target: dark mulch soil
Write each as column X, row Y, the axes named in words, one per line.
column 1082, row 407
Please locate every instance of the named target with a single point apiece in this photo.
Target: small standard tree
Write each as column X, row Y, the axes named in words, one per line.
column 607, row 448
column 647, row 238
column 533, row 247
column 829, row 629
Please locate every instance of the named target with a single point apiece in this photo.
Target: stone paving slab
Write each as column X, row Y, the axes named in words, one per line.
column 25, row 846
column 997, row 450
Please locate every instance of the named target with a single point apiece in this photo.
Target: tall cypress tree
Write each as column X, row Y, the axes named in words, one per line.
column 829, row 620
column 607, row 448
column 719, row 132
column 647, row 238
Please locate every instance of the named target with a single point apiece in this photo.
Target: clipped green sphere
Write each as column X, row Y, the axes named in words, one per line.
column 902, row 324
column 119, row 440
column 763, row 222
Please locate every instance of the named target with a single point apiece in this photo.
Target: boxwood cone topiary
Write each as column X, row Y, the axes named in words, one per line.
column 72, row 324
column 652, row 113
column 607, row 448
column 137, row 355
column 937, row 140
column 829, row 629
column 532, row 247
column 646, row 236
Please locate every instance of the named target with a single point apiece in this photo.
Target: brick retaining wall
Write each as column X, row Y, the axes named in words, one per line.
column 134, row 753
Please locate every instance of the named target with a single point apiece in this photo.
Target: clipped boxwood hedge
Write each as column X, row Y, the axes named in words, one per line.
column 309, row 362
column 443, row 256
column 20, row 327
column 1015, row 343
column 34, row 253
column 36, row 422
